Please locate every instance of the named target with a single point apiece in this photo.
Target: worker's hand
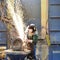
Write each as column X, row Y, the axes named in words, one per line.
column 30, row 41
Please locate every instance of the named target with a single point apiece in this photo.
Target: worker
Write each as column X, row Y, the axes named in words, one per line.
column 32, row 38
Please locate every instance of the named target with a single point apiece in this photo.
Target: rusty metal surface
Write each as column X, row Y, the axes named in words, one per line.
column 17, row 44
column 9, row 51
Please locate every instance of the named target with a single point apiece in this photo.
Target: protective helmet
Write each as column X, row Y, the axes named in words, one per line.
column 32, row 26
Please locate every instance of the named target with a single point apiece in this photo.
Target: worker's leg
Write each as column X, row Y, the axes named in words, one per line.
column 32, row 55
column 34, row 52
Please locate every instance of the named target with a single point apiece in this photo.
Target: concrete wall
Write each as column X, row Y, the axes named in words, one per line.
column 33, row 11
column 32, row 7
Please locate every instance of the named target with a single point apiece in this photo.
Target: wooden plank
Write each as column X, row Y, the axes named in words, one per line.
column 44, row 18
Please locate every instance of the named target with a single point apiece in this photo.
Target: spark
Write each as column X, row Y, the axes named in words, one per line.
column 17, row 19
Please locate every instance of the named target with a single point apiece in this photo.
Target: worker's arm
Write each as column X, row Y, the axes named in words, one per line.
column 35, row 39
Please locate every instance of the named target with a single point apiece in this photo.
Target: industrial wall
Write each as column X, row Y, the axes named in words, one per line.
column 54, row 21
column 32, row 8
column 33, row 11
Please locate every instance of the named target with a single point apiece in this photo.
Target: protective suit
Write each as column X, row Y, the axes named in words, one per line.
column 31, row 35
